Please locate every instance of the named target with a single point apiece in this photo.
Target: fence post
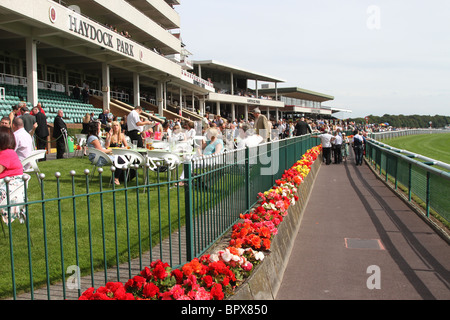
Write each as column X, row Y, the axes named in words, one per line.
column 428, row 193
column 247, row 178
column 409, row 182
column 189, row 212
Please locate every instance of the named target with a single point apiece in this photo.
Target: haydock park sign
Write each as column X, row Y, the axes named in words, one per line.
column 103, row 38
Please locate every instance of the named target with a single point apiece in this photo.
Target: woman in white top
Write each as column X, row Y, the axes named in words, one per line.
column 190, row 132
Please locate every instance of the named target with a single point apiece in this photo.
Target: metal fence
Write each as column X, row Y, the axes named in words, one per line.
column 402, row 133
column 422, row 183
column 80, row 233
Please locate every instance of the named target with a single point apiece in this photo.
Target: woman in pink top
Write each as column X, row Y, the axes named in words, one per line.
column 10, row 164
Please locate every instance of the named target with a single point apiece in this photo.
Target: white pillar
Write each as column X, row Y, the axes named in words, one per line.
column 218, row 108
column 105, row 86
column 136, row 89
column 160, row 97
column 246, row 113
column 256, row 87
column 233, row 111
column 32, row 80
column 276, row 91
column 268, row 113
column 164, row 95
column 181, row 99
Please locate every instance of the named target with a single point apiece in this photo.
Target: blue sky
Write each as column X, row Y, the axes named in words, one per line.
column 374, row 57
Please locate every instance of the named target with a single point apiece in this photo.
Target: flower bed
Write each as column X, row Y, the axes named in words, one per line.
column 217, row 276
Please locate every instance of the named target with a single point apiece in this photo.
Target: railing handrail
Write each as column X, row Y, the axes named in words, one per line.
column 411, row 155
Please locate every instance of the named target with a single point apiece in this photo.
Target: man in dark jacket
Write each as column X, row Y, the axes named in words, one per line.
column 59, row 134
column 41, row 131
column 302, row 128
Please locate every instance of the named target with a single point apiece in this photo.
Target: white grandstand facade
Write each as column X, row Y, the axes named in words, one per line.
column 128, row 52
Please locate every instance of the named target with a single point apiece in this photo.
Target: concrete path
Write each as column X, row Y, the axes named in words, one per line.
column 358, row 240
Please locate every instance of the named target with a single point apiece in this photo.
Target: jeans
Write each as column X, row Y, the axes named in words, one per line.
column 358, row 155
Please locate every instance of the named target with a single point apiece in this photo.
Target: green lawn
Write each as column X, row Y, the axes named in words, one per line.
column 435, row 146
column 98, row 228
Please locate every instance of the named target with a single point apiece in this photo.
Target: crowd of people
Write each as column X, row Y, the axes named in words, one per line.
column 30, row 131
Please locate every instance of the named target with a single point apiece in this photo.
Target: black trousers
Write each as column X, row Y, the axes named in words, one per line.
column 60, row 148
column 327, row 155
column 41, row 143
column 337, row 153
column 136, row 135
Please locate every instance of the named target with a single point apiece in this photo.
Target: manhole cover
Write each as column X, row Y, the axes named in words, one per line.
column 374, row 244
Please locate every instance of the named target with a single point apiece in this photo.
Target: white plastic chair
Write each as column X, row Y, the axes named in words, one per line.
column 17, row 187
column 97, row 162
column 130, row 157
column 30, row 163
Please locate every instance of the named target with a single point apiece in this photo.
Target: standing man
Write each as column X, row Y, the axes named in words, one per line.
column 76, row 92
column 302, row 127
column 59, row 134
column 337, row 139
column 261, row 125
column 358, row 147
column 136, row 125
column 41, row 131
column 24, row 144
column 326, row 146
column 29, row 121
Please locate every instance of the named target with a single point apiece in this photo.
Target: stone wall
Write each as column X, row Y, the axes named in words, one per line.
column 265, row 281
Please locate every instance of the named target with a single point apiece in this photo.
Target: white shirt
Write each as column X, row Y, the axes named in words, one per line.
column 338, row 140
column 132, row 120
column 326, row 140
column 24, row 144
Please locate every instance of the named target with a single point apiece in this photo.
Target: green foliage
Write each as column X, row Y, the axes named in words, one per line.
column 408, row 121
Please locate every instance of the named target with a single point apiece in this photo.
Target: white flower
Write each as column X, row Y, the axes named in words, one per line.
column 214, row 257
column 227, row 256
column 259, row 255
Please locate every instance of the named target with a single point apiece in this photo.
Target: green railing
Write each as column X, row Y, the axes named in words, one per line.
column 420, row 182
column 91, row 232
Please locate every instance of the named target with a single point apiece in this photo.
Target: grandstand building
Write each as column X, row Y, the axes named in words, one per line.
column 301, row 102
column 127, row 52
column 233, row 99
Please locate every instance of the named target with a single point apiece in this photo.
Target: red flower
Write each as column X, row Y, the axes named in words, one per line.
column 150, row 290
column 217, row 292
column 178, row 275
column 208, row 280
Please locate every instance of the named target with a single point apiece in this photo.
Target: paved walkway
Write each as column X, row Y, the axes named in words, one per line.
column 358, row 240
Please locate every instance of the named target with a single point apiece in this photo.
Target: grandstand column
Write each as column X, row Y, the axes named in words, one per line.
column 181, row 99
column 218, row 108
column 105, row 86
column 233, row 111
column 246, row 113
column 32, row 78
column 136, row 89
column 159, row 97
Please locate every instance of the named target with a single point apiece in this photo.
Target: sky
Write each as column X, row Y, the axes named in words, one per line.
column 375, row 57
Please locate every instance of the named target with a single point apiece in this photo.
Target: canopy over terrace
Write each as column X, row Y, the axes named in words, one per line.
column 299, row 102
column 231, row 88
column 45, row 33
